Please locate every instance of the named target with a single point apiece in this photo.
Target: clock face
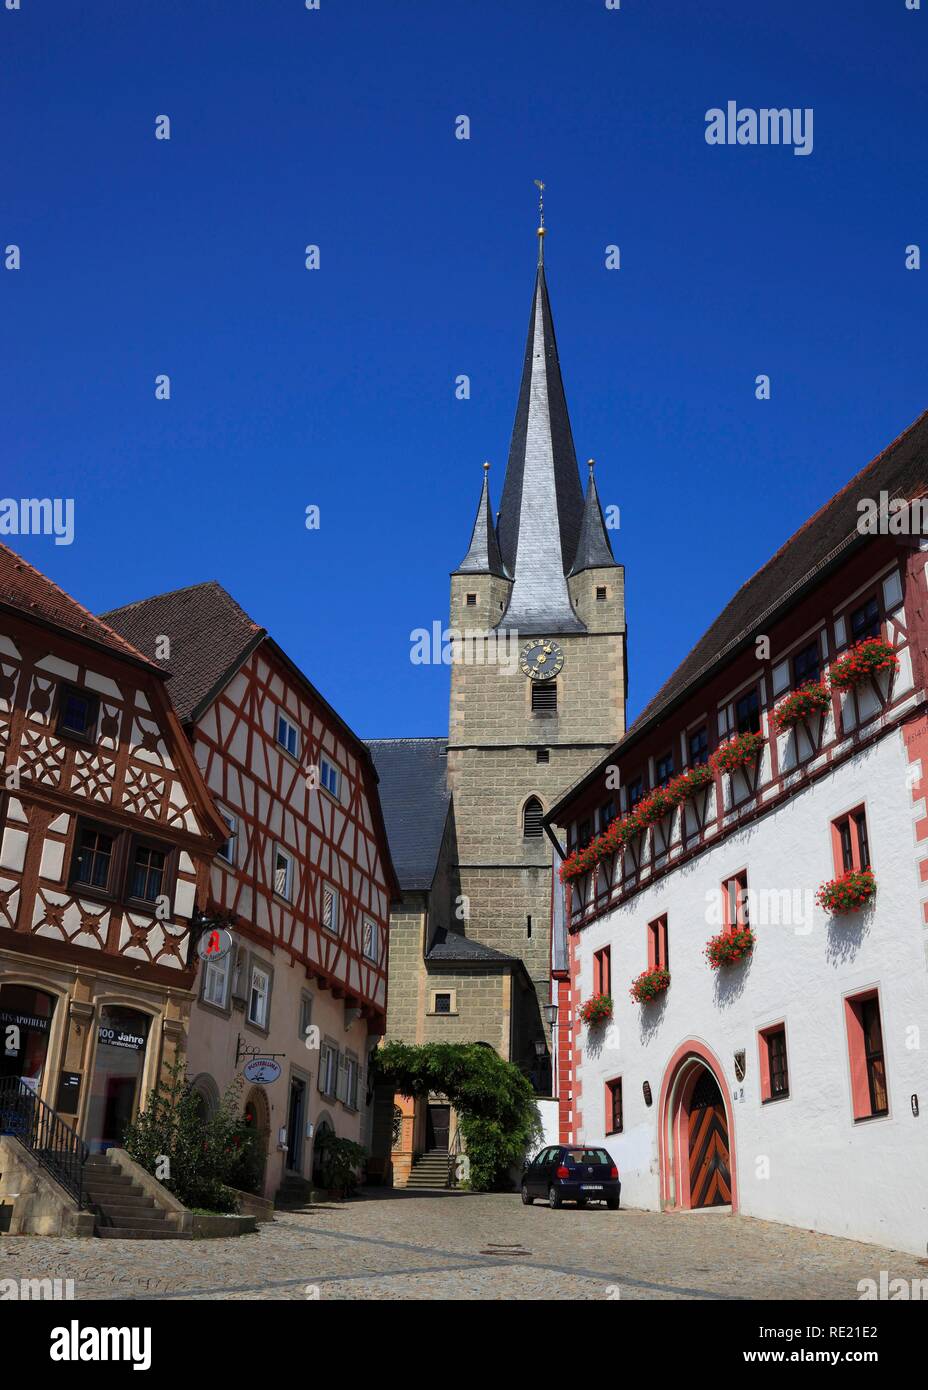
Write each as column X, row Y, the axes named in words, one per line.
column 541, row 660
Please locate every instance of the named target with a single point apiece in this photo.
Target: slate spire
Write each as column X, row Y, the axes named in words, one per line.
column 593, row 548
column 542, row 504
column 483, row 555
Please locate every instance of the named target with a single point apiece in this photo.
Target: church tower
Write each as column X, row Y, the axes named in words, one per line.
column 543, row 579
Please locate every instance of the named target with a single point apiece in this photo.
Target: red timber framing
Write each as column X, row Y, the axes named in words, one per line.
column 279, row 799
column 894, row 571
column 133, row 777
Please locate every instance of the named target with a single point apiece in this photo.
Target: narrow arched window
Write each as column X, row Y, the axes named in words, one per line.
column 532, row 813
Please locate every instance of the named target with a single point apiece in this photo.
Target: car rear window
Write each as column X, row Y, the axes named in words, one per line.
column 587, row 1156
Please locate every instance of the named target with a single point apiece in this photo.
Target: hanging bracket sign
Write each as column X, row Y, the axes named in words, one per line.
column 261, row 1071
column 214, row 944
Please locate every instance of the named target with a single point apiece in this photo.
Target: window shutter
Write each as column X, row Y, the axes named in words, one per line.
column 532, row 815
column 544, row 696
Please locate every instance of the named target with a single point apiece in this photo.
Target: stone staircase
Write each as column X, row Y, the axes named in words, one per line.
column 431, row 1169
column 121, row 1208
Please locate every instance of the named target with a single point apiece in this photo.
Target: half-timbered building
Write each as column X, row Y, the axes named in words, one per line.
column 746, row 881
column 304, row 879
column 106, row 835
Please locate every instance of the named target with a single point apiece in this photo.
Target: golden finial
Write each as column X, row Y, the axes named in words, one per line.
column 592, row 464
column 541, row 221
column 486, row 466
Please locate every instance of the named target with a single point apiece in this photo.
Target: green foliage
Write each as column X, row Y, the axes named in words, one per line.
column 207, row 1157
column 495, row 1103
column 340, row 1160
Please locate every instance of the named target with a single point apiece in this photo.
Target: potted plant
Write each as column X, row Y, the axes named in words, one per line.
column 729, row 947
column 689, row 783
column 654, row 807
column 596, row 1010
column 810, row 699
column 848, row 893
column 649, row 984
column 737, row 752
column 862, row 662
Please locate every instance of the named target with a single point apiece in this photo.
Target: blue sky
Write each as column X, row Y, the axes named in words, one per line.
column 336, row 387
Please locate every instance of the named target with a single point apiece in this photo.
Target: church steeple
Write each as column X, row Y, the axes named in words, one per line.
column 483, row 555
column 542, row 504
column 593, row 548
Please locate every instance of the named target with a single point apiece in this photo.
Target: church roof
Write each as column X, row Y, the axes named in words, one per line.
column 542, row 504
column 483, row 555
column 593, row 548
column 415, row 799
column 450, row 945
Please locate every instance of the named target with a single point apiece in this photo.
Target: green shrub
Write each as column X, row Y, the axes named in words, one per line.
column 206, row 1157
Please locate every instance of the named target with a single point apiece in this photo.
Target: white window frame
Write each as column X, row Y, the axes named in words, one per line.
column 291, row 728
column 334, row 929
column 328, row 1069
column 371, row 926
column 264, row 996
column 214, row 970
column 306, row 1014
column 231, row 844
column 287, row 892
column 329, row 773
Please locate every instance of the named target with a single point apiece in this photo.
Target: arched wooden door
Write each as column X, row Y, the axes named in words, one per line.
column 710, row 1161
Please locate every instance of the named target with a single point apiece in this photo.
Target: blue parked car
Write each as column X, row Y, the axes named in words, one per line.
column 572, row 1173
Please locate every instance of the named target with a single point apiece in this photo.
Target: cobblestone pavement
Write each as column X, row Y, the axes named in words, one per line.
column 386, row 1245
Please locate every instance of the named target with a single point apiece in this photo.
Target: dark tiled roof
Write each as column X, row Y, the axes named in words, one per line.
column 414, row 795
column 483, row 555
column 452, row 946
column 26, row 588
column 209, row 636
column 901, row 470
column 593, row 548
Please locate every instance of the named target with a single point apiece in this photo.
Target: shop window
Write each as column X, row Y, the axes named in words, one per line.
column 122, row 1037
column 25, row 1026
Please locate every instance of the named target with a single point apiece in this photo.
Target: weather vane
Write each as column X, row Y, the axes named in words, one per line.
column 541, row 220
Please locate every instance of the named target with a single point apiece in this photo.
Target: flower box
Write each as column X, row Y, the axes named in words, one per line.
column 848, row 893
column 649, row 984
column 596, row 1010
column 864, row 661
column 809, row 700
column 689, row 783
column 738, row 752
column 655, row 806
column 729, row 947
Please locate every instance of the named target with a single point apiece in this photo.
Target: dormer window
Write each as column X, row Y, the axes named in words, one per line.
column 77, row 713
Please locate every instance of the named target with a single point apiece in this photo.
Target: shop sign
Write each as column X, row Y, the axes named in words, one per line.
column 120, row 1037
column 261, row 1071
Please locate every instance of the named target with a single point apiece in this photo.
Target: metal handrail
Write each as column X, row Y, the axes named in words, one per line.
column 43, row 1132
column 455, row 1149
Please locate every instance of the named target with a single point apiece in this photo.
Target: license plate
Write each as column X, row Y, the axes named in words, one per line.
column 591, row 1187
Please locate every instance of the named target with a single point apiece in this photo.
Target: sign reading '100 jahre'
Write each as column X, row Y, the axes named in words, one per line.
column 117, row 1037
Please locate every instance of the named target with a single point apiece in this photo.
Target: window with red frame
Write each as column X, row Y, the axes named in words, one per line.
column 807, row 665
column 663, row 770
column 658, row 954
column 774, row 1069
column 602, row 971
column 747, row 713
column 865, row 621
column 614, row 1106
column 869, row 1094
column 735, row 902
column 699, row 747
column 851, row 842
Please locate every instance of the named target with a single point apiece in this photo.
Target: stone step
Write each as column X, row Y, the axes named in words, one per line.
column 131, row 1222
column 115, row 1211
column 132, row 1233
